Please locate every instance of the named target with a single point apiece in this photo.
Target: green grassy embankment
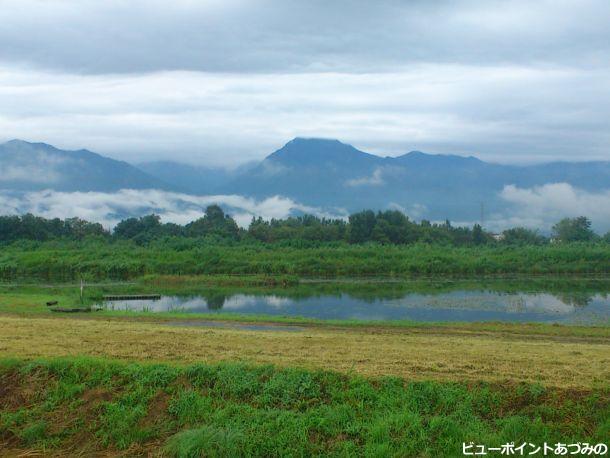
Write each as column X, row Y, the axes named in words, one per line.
column 88, row 406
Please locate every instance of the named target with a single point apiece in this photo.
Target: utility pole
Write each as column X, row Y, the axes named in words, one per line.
column 482, row 213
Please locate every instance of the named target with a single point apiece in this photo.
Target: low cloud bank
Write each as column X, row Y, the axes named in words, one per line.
column 110, row 208
column 376, row 179
column 35, row 167
column 542, row 206
column 538, row 207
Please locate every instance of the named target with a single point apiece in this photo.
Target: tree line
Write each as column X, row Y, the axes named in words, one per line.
column 384, row 227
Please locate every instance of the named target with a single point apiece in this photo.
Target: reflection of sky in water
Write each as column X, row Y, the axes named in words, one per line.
column 241, row 301
column 450, row 306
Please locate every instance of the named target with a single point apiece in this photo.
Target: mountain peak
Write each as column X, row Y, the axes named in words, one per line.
column 416, row 153
column 17, row 146
column 317, row 151
column 16, row 141
column 312, row 140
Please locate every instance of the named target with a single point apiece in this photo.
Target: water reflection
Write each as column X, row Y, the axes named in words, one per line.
column 444, row 305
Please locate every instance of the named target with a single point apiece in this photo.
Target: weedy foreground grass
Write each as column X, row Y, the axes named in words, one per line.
column 80, row 406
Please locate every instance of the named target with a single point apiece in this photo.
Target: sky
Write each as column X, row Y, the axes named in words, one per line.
column 225, row 82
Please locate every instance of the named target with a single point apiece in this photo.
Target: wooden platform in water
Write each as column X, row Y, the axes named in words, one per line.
column 131, row 297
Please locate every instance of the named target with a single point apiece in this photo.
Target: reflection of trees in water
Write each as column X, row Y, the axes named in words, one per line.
column 575, row 294
column 215, row 301
column 576, row 299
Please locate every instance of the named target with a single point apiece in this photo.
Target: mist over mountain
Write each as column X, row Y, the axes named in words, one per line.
column 192, row 178
column 26, row 166
column 325, row 177
column 330, row 174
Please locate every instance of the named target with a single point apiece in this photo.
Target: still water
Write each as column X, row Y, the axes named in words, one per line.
column 453, row 305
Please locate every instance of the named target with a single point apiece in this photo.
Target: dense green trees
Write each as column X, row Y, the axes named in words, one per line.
column 214, row 222
column 522, row 236
column 361, row 226
column 305, row 228
column 574, row 230
column 30, row 227
column 478, row 237
column 146, row 228
column 384, row 227
column 143, row 230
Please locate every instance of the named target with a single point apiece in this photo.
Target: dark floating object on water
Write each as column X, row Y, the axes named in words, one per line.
column 132, row 297
column 71, row 309
column 76, row 309
column 51, row 303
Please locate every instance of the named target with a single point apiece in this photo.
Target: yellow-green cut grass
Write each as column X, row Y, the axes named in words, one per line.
column 433, row 354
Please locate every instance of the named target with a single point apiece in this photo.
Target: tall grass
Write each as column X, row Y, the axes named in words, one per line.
column 104, row 260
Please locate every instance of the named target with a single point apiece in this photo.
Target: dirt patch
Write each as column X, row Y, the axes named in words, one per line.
column 10, row 391
column 95, row 396
column 519, row 398
column 92, row 400
column 157, row 409
column 18, row 390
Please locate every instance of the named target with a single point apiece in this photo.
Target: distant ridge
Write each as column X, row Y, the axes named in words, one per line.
column 315, row 172
column 330, row 174
column 27, row 166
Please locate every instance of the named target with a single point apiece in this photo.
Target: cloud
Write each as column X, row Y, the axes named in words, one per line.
column 142, row 80
column 30, row 173
column 36, row 167
column 414, row 211
column 110, row 208
column 376, row 179
column 538, row 207
column 507, row 113
column 542, row 206
column 272, row 168
column 280, row 36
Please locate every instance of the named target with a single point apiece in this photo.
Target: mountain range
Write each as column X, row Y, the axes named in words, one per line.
column 321, row 173
column 28, row 166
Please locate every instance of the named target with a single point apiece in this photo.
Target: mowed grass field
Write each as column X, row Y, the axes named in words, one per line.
column 440, row 353
column 103, row 384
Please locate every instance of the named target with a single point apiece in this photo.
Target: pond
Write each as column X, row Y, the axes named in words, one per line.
column 471, row 304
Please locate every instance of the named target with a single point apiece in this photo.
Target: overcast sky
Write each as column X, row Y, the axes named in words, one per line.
column 229, row 81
